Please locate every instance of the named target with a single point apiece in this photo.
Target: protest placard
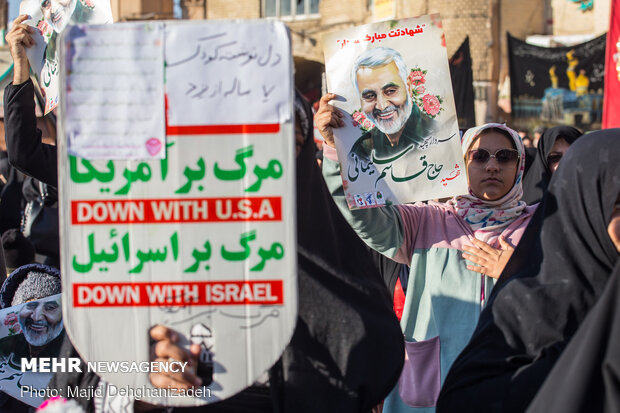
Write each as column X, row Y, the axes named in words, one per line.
column 203, row 240
column 19, row 332
column 50, row 18
column 116, row 93
column 400, row 142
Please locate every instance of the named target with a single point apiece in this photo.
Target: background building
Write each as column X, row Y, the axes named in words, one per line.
column 547, row 22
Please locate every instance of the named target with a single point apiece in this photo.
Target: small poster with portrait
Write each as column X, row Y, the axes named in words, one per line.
column 50, row 18
column 400, row 142
column 29, row 330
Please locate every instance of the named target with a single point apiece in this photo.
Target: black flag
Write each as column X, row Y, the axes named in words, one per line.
column 462, row 85
column 558, row 84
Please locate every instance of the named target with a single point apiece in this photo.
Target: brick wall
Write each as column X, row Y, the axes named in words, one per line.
column 238, row 9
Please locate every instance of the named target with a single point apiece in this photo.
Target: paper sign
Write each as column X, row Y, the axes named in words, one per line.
column 115, row 90
column 202, row 241
column 51, row 17
column 229, row 70
column 400, row 142
column 17, row 335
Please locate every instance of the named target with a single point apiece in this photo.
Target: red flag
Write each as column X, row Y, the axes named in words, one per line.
column 611, row 102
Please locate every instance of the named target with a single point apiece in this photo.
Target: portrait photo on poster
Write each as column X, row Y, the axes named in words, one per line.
column 400, row 142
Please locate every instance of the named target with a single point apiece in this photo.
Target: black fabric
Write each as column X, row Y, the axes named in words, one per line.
column 10, row 404
column 18, row 250
column 530, row 155
column 463, row 85
column 586, row 378
column 11, row 202
column 536, row 179
column 347, row 351
column 531, row 66
column 23, row 140
column 389, row 269
column 40, row 220
column 531, row 316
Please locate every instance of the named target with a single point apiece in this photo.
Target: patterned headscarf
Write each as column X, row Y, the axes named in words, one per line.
column 492, row 216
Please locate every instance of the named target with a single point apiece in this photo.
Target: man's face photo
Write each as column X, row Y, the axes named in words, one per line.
column 384, row 97
column 57, row 13
column 41, row 321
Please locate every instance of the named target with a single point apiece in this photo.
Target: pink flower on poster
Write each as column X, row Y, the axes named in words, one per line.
column 416, row 77
column 432, row 105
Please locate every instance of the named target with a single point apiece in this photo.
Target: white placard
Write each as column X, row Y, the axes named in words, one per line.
column 115, row 91
column 202, row 241
column 232, row 71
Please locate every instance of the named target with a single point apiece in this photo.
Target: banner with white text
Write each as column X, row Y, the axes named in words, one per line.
column 203, row 240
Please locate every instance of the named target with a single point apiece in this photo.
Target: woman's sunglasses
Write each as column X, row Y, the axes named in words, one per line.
column 482, row 156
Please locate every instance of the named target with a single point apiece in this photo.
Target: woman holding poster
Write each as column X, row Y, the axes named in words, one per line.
column 444, row 294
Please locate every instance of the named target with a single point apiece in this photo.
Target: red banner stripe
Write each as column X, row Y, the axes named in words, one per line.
column 222, row 129
column 202, row 293
column 181, row 210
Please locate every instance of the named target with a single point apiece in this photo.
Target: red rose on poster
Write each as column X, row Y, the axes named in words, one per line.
column 416, row 78
column 431, row 104
column 11, row 318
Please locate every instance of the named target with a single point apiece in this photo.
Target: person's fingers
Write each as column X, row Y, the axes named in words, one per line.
column 484, row 246
column 27, row 40
column 475, row 268
column 505, row 245
column 326, row 98
column 20, row 18
column 474, row 258
column 194, row 349
column 183, row 373
column 24, row 27
column 475, row 251
column 160, row 332
column 166, row 349
column 335, row 122
column 19, row 36
column 165, row 381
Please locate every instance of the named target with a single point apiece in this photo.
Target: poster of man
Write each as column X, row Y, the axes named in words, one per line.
column 400, row 142
column 31, row 327
column 50, row 18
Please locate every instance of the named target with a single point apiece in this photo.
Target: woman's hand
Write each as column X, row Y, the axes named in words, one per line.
column 491, row 261
column 18, row 39
column 165, row 349
column 328, row 117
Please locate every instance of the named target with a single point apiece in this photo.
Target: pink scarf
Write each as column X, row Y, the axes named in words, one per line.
column 491, row 216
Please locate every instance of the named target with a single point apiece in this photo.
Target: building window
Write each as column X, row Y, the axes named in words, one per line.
column 291, row 9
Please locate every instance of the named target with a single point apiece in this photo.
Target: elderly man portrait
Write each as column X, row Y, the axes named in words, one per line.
column 34, row 287
column 380, row 77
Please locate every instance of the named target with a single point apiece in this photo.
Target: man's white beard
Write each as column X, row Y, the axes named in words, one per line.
column 41, row 339
column 393, row 126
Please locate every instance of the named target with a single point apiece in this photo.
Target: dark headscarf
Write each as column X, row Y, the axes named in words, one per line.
column 347, row 350
column 586, row 377
column 536, row 180
column 556, row 279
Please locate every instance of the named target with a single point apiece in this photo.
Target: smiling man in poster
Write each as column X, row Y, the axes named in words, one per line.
column 381, row 78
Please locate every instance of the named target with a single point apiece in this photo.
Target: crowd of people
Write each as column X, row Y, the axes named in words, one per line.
column 508, row 293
